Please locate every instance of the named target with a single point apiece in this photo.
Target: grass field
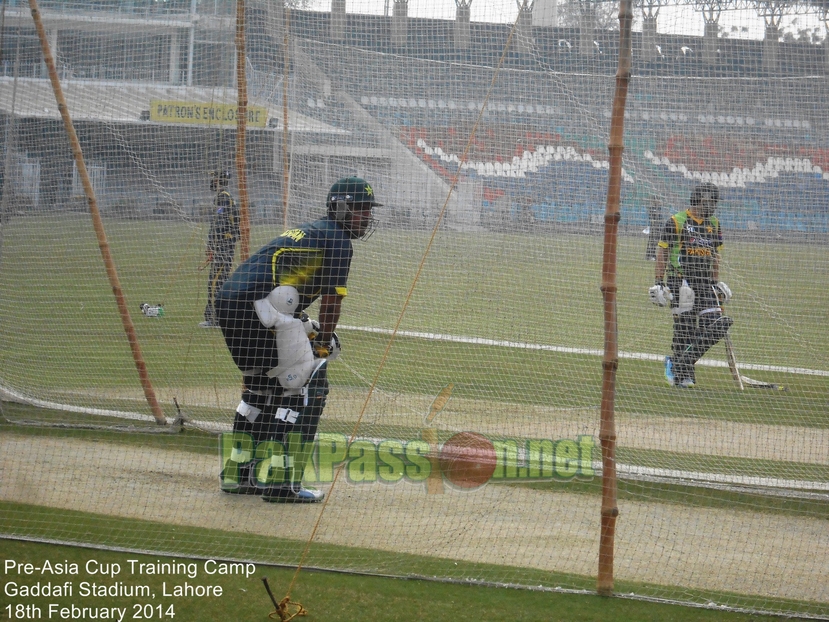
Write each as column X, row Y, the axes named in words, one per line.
column 350, row 597
column 522, row 316
column 540, row 290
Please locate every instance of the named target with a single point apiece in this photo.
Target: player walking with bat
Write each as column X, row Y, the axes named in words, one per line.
column 687, row 278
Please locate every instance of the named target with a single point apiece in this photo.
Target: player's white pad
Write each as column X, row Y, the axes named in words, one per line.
column 286, row 414
column 283, row 299
column 296, row 358
column 686, row 298
column 312, row 327
column 247, row 411
column 723, row 292
column 660, row 295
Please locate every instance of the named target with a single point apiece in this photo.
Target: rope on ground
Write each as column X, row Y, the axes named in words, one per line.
column 282, row 607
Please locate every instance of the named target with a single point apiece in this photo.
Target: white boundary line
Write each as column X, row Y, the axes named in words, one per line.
column 16, row 396
column 636, row 472
column 640, row 356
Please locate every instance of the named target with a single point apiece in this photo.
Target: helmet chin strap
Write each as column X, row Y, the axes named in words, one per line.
column 367, row 232
column 343, row 213
column 371, row 227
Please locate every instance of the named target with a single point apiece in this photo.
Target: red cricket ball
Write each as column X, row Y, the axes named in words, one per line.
column 467, row 460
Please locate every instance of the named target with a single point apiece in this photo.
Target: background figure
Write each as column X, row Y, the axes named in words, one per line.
column 689, row 251
column 281, row 353
column 526, row 216
column 655, row 222
column 221, row 242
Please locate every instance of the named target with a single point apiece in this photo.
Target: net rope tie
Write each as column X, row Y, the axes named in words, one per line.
column 282, row 609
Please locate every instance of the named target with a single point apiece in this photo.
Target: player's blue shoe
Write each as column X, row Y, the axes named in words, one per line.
column 291, row 494
column 669, row 370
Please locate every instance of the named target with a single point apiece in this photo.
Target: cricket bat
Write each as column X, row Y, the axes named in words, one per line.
column 745, row 381
column 732, row 362
column 434, row 483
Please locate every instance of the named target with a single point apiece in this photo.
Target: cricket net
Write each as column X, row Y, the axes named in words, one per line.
column 463, row 418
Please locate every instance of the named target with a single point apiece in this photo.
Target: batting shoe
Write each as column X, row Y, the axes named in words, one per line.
column 669, row 371
column 243, row 487
column 687, row 383
column 289, row 494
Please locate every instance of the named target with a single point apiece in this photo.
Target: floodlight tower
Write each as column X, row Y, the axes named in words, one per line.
column 524, row 27
column 545, row 13
column 337, row 25
column 772, row 12
column 400, row 24
column 822, row 7
column 587, row 26
column 463, row 12
column 711, row 11
column 650, row 15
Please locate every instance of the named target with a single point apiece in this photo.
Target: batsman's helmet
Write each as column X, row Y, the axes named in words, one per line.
column 705, row 190
column 219, row 178
column 345, row 197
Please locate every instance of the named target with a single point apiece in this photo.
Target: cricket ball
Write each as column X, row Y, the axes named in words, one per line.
column 467, row 460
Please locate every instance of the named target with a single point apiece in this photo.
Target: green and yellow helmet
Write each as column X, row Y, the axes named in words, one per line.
column 348, row 195
column 704, row 199
column 219, row 179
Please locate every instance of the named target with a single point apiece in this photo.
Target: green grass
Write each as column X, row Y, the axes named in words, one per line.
column 530, row 289
column 328, row 596
column 698, row 497
column 549, row 378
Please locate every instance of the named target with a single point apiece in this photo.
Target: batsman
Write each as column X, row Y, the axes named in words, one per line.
column 283, row 354
column 687, row 278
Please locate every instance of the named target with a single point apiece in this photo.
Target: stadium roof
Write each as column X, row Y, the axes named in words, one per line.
column 124, row 102
column 97, row 21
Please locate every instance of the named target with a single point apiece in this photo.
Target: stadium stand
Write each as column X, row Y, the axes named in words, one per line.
column 527, row 148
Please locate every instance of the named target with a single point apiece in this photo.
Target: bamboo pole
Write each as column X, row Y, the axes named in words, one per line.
column 97, row 223
column 241, row 132
column 607, row 432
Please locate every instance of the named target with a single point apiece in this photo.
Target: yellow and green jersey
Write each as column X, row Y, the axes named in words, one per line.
column 693, row 245
column 315, row 258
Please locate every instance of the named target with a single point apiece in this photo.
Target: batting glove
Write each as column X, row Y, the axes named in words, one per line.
column 335, row 347
column 320, row 351
column 312, row 327
column 723, row 292
column 330, row 350
column 660, row 295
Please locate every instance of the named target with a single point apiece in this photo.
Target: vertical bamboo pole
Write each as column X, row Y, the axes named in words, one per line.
column 241, row 131
column 607, row 432
column 103, row 244
column 286, row 162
